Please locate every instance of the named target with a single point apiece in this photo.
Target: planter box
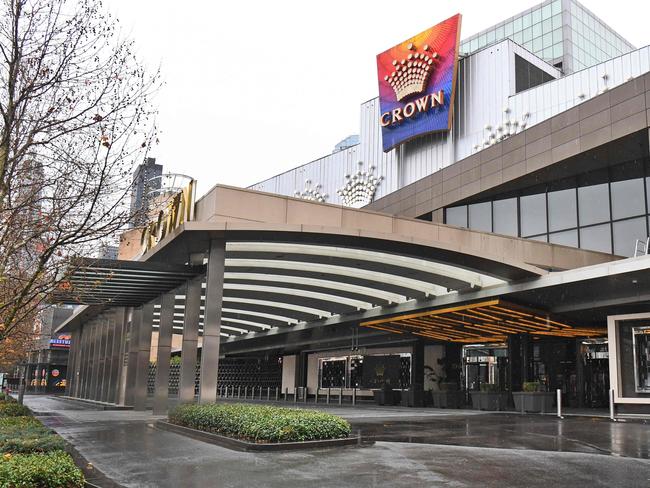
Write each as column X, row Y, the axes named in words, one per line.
column 490, row 400
column 534, row 401
column 238, row 445
column 386, row 397
column 448, row 399
column 413, row 398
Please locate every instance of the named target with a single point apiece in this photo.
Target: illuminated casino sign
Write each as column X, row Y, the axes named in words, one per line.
column 417, row 81
column 61, row 341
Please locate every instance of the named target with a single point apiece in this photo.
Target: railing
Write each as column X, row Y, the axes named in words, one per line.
column 300, row 394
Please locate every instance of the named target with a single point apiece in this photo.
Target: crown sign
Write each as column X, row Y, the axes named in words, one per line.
column 412, row 74
column 359, row 189
column 313, row 194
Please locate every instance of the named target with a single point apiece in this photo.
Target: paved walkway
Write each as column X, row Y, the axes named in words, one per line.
column 533, row 451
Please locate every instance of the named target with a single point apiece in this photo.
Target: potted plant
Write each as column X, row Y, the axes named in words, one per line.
column 448, row 394
column 533, row 398
column 490, row 398
column 386, row 395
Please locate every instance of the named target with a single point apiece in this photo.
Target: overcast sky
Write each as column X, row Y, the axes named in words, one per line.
column 255, row 88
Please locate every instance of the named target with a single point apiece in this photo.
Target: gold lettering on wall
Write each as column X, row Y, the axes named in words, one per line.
column 179, row 209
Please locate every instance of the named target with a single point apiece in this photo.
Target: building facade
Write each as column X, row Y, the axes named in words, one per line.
column 505, row 254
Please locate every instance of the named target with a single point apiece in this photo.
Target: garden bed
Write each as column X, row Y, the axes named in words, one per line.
column 31, row 455
column 259, row 427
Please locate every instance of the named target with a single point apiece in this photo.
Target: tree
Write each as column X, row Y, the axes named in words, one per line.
column 77, row 115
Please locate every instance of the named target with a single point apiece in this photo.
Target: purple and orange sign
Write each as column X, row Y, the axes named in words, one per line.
column 417, row 81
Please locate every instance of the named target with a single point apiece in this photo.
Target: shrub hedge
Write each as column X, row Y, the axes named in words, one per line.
column 27, row 435
column 4, row 397
column 54, row 469
column 13, row 409
column 260, row 423
column 31, row 455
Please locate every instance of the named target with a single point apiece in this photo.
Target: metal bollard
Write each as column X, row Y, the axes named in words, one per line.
column 559, row 403
column 612, row 406
column 260, row 392
column 305, row 394
column 246, row 392
column 286, row 394
column 340, row 396
column 317, row 393
column 268, row 393
column 354, row 395
column 295, row 394
column 226, row 392
column 277, row 393
column 328, row 394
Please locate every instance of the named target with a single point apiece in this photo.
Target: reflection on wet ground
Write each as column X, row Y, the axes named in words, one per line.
column 533, row 451
column 512, row 431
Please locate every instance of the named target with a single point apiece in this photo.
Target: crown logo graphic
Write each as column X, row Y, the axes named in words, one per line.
column 312, row 193
column 359, row 189
column 412, row 74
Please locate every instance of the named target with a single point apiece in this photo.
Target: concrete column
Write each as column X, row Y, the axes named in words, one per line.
column 76, row 385
column 70, row 367
column 132, row 362
column 117, row 323
column 123, row 355
column 108, row 358
column 94, row 381
column 142, row 360
column 87, row 356
column 102, row 339
column 212, row 322
column 163, row 354
column 193, row 291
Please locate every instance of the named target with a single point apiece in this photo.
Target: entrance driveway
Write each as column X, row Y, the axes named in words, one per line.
column 428, row 448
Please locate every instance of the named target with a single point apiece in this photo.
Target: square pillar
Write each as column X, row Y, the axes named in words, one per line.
column 115, row 330
column 212, row 321
column 163, row 353
column 191, row 317
column 143, row 332
column 70, row 367
column 132, row 361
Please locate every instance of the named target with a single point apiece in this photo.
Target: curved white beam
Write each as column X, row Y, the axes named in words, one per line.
column 287, row 306
column 358, row 304
column 389, row 279
column 472, row 278
column 335, row 285
column 227, row 320
column 288, row 320
column 235, row 329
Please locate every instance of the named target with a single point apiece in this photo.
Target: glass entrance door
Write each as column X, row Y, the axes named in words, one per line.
column 485, row 364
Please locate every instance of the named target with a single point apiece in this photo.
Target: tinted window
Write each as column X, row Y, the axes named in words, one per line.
column 533, row 214
column 593, row 204
column 457, row 216
column 597, row 238
column 480, row 216
column 626, row 233
column 562, row 210
column 628, row 198
column 505, row 216
column 566, row 238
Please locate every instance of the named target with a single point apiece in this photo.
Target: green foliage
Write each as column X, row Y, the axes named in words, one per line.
column 261, row 423
column 27, row 435
column 489, row 388
column 13, row 409
column 175, row 360
column 4, row 397
column 531, row 386
column 54, row 469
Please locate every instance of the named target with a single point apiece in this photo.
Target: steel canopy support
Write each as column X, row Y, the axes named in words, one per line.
column 212, row 321
column 143, row 333
column 163, row 354
column 189, row 346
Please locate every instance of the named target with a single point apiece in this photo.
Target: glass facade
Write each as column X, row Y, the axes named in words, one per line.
column 605, row 210
column 586, row 41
